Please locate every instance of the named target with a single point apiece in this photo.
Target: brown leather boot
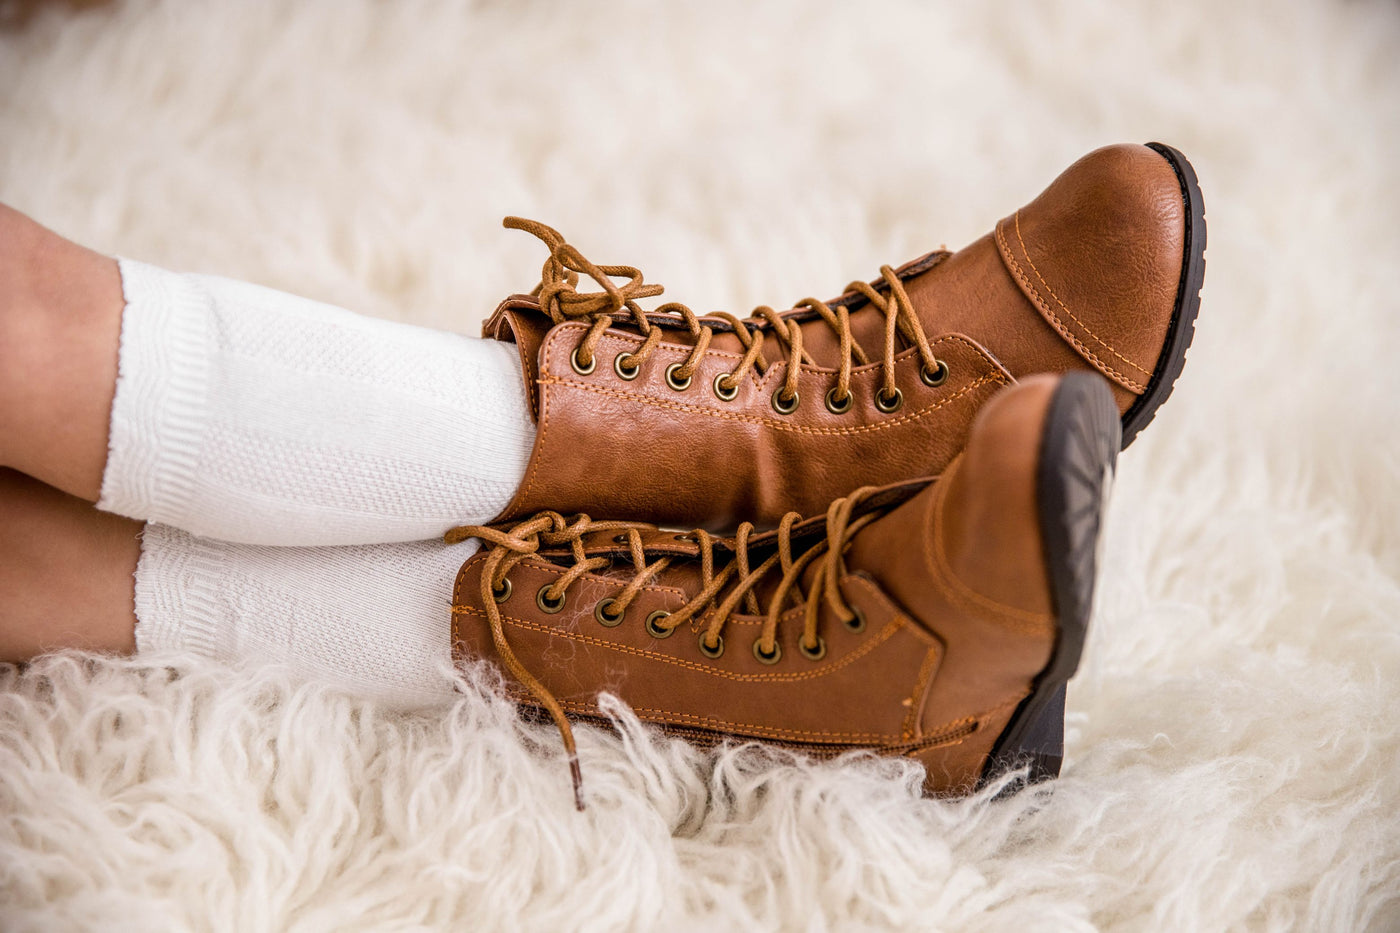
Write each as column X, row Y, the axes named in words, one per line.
column 937, row 620
column 667, row 417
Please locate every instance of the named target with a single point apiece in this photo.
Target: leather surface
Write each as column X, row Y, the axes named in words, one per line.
column 955, row 632
column 1099, row 255
column 1085, row 276
column 620, row 449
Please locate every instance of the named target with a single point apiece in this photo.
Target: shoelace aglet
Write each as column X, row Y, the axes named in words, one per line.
column 577, row 773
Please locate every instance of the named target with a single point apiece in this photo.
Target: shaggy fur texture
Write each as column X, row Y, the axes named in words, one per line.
column 1233, row 738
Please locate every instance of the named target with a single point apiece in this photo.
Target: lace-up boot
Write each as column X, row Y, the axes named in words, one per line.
column 937, row 620
column 676, row 418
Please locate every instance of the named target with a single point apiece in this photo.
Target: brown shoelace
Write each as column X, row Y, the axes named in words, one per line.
column 560, row 298
column 550, row 530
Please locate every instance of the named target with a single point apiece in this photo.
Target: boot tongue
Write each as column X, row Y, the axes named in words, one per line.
column 868, row 549
column 868, row 325
column 891, row 549
column 684, row 571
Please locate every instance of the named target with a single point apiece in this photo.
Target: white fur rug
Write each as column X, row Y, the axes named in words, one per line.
column 1234, row 754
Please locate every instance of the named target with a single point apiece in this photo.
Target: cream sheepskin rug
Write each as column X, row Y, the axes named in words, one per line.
column 1234, row 731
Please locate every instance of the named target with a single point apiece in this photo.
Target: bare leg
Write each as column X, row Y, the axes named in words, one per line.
column 60, row 325
column 66, row 572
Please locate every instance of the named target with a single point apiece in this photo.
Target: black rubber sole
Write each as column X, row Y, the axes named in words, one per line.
column 1078, row 454
column 1188, row 300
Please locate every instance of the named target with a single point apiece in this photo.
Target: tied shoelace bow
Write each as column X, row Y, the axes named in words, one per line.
column 549, row 530
column 560, row 298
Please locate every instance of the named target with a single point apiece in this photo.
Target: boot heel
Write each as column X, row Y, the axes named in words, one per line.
column 1078, row 455
column 1039, row 747
column 1043, row 745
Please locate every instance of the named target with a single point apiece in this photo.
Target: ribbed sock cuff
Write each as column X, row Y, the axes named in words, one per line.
column 178, row 586
column 158, row 412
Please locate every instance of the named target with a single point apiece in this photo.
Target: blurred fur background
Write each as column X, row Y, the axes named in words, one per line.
column 1234, row 751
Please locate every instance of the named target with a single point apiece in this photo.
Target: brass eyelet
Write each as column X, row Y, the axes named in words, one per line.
column 605, row 618
column 723, row 394
column 502, row 593
column 546, row 604
column 935, row 378
column 623, row 370
column 856, row 623
column 578, row 368
column 841, row 407
column 773, row 658
column 680, row 385
column 782, row 407
column 652, row 628
column 813, row 654
column 891, row 405
column 716, row 651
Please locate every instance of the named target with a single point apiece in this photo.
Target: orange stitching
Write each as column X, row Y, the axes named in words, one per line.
column 725, row 725
column 457, row 598
column 884, row 635
column 532, row 470
column 678, row 351
column 1019, row 620
column 919, row 414
column 933, row 658
column 859, row 580
column 525, row 368
column 1027, row 253
column 933, row 738
column 932, row 662
column 860, row 376
column 1060, row 326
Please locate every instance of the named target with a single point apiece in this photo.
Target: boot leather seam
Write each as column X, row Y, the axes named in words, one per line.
column 905, row 744
column 502, row 319
column 918, row 697
column 626, row 342
column 917, row 414
column 532, row 470
column 580, row 706
column 878, row 638
column 927, row 669
column 1016, row 268
column 996, row 374
column 671, row 716
column 979, row 719
column 933, row 656
column 1025, row 251
column 952, row 586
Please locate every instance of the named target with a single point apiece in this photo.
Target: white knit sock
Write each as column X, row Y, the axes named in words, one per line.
column 373, row 619
column 249, row 415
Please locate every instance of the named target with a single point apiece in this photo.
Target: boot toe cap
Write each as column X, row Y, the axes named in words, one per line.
column 1099, row 253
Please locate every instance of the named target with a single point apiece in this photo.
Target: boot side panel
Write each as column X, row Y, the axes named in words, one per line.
column 862, row 693
column 639, row 449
